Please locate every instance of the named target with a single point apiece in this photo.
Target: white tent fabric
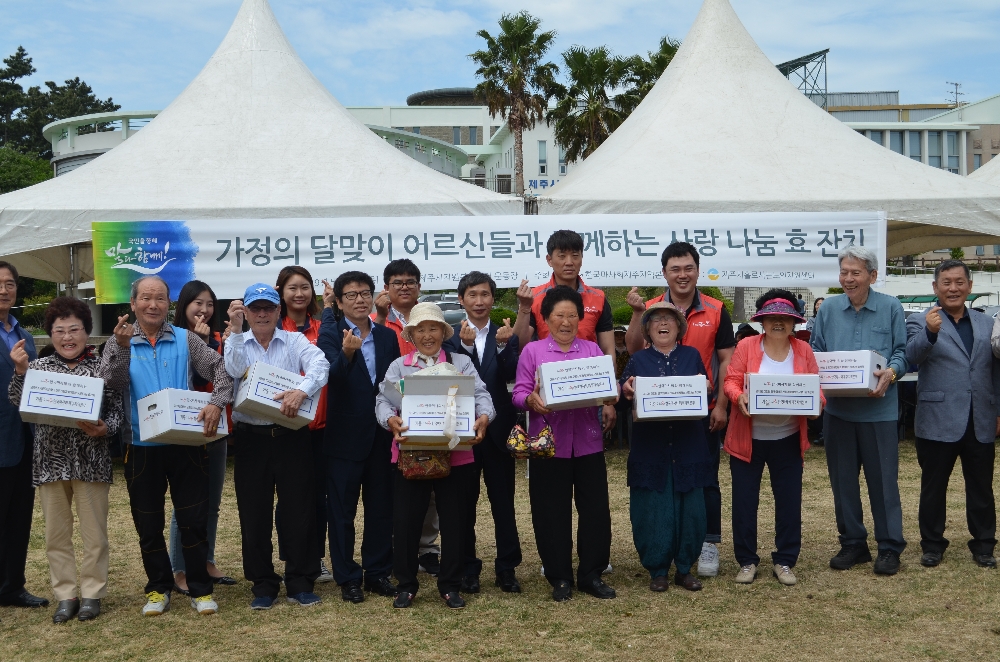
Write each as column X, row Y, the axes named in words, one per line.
column 254, row 135
column 989, row 173
column 724, row 131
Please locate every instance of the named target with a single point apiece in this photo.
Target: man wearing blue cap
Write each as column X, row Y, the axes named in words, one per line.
column 272, row 456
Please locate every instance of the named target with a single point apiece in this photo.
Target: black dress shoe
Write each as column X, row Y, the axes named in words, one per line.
column 453, row 600
column 404, row 600
column 598, row 589
column 507, row 581
column 688, row 581
column 224, row 581
column 25, row 599
column 985, row 560
column 887, row 562
column 430, row 563
column 470, row 584
column 351, row 592
column 562, row 591
column 849, row 556
column 90, row 608
column 182, row 591
column 65, row 610
column 931, row 559
column 382, row 586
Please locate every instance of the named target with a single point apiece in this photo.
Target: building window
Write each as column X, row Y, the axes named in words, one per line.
column 543, row 168
column 980, row 250
column 456, row 135
column 977, row 162
column 896, row 141
column 996, row 249
column 915, row 145
column 416, row 130
column 934, row 149
column 562, row 160
column 876, row 136
column 952, row 142
column 473, row 138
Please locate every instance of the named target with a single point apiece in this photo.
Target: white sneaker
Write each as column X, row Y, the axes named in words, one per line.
column 324, row 574
column 708, row 562
column 204, row 605
column 785, row 575
column 156, row 603
column 747, row 574
column 608, row 570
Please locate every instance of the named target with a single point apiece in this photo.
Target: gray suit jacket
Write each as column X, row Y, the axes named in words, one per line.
column 951, row 380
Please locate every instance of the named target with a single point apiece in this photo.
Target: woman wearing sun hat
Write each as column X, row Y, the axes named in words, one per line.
column 668, row 461
column 780, row 442
column 427, row 329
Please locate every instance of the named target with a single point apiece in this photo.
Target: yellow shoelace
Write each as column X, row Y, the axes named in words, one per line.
column 153, row 596
column 204, row 598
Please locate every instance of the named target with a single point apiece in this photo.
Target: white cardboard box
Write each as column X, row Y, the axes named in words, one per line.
column 423, row 410
column 849, row 374
column 783, row 395
column 255, row 396
column 578, row 383
column 170, row 416
column 670, row 398
column 55, row 398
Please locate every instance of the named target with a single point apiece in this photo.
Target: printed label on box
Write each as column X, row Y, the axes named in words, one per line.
column 56, row 402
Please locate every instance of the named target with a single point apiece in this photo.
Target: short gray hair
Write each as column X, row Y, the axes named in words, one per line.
column 864, row 255
column 137, row 281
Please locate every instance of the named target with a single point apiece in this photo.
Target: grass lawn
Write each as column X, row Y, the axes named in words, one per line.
column 949, row 612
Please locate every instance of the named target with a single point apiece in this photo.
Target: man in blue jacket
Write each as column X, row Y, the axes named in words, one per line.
column 494, row 350
column 357, row 451
column 17, row 496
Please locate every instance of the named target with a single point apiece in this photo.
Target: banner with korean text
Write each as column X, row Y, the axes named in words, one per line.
column 744, row 250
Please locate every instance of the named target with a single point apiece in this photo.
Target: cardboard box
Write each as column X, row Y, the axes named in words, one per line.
column 670, row 398
column 578, row 383
column 783, row 395
column 423, row 410
column 849, row 374
column 255, row 396
column 170, row 416
column 55, row 398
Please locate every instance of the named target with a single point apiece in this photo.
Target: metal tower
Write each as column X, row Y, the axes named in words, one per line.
column 808, row 74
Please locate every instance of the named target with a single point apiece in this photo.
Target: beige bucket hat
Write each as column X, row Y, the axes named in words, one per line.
column 424, row 312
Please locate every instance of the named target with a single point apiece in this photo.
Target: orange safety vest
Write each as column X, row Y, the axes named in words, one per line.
column 392, row 322
column 593, row 306
column 312, row 335
column 702, row 327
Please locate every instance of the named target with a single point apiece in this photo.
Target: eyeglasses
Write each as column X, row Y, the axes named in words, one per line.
column 65, row 333
column 351, row 296
column 400, row 284
column 8, row 285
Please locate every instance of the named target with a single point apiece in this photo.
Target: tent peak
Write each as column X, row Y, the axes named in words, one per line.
column 255, row 28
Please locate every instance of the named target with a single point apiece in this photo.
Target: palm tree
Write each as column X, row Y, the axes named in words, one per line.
column 585, row 113
column 644, row 72
column 516, row 84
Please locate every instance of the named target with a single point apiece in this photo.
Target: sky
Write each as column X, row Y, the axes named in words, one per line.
column 144, row 52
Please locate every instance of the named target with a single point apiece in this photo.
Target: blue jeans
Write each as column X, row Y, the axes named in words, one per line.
column 216, row 478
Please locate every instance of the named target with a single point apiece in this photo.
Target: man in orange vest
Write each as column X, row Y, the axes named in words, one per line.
column 565, row 256
column 710, row 331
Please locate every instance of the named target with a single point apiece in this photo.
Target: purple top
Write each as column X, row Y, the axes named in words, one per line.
column 576, row 431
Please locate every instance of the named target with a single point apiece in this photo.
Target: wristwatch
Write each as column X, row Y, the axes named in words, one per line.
column 893, row 381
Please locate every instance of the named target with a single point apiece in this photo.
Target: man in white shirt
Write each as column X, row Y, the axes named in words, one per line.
column 274, row 457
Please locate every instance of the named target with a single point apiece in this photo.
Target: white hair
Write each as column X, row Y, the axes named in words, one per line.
column 135, row 285
column 864, row 255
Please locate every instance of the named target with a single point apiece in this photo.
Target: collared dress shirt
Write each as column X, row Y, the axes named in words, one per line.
column 480, row 340
column 11, row 337
column 287, row 350
column 367, row 348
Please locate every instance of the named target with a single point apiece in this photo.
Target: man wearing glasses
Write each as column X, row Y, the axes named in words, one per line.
column 356, row 450
column 394, row 303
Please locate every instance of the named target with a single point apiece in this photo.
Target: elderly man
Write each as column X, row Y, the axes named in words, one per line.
column 17, row 496
column 958, row 384
column 147, row 357
column 273, row 457
column 861, row 432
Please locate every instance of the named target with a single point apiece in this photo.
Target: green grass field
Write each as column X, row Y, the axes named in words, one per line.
column 947, row 613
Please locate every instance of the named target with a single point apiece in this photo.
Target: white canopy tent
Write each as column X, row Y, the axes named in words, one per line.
column 254, row 135
column 989, row 173
column 724, row 131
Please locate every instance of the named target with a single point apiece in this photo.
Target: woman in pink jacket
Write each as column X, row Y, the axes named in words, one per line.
column 780, row 442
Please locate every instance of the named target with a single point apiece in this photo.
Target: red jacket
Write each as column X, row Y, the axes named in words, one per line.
column 747, row 358
column 312, row 334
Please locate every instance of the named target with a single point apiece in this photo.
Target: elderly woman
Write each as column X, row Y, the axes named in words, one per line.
column 427, row 329
column 780, row 442
column 668, row 462
column 578, row 470
column 72, row 464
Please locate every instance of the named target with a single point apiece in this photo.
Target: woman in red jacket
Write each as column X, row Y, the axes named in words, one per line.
column 780, row 442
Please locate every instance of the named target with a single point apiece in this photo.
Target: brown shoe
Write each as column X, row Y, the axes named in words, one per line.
column 659, row 584
column 688, row 581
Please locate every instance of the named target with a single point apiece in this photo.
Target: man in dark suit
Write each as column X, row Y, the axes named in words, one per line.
column 357, row 450
column 17, row 496
column 494, row 351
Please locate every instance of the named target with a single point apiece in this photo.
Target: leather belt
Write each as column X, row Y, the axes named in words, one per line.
column 264, row 430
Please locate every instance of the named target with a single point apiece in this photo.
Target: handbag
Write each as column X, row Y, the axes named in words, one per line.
column 425, row 465
column 525, row 447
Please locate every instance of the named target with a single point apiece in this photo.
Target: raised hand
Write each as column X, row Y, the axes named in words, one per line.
column 328, row 299
column 524, row 297
column 237, row 313
column 124, row 332
column 468, row 334
column 934, row 319
column 352, row 343
column 382, row 304
column 201, row 328
column 634, row 299
column 20, row 357
column 505, row 332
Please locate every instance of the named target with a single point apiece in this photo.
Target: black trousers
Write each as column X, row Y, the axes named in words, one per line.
column 283, row 464
column 321, row 515
column 17, row 500
column 783, row 458
column 713, row 494
column 453, row 496
column 937, row 460
column 496, row 466
column 371, row 480
column 148, row 472
column 553, row 485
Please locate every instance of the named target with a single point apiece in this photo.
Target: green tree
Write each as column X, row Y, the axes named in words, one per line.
column 644, row 72
column 12, row 96
column 516, row 83
column 957, row 254
column 20, row 170
column 57, row 102
column 586, row 113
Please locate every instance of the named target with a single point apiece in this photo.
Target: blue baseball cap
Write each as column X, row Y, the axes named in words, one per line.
column 261, row 292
